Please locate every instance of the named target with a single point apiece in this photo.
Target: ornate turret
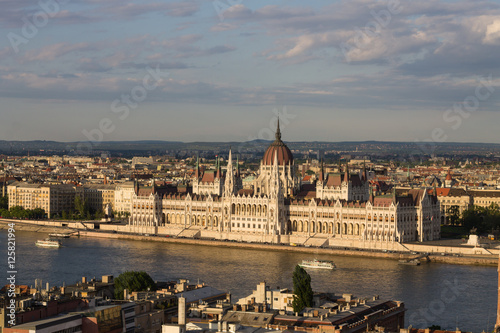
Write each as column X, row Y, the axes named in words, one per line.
column 197, row 172
column 346, row 175
column 275, row 182
column 237, row 166
column 229, row 179
column 321, row 172
column 217, row 167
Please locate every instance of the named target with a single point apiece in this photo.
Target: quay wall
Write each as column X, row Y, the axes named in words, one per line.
column 296, row 243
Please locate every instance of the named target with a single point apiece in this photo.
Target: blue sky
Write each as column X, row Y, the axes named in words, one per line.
column 218, row 70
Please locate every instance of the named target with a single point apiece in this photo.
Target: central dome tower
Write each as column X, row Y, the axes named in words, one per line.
column 278, row 147
column 277, row 150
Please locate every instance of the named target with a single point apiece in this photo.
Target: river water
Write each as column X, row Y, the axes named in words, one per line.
column 447, row 295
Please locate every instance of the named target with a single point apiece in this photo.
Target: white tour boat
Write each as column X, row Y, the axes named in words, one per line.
column 48, row 243
column 325, row 264
column 59, row 235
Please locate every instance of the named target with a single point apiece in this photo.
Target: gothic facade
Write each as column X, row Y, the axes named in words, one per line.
column 343, row 208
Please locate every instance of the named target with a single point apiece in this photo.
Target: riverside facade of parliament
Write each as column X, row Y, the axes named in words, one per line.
column 343, row 211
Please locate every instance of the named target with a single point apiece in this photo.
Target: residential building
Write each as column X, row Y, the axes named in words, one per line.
column 54, row 199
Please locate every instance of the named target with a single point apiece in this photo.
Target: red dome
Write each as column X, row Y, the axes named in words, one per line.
column 285, row 156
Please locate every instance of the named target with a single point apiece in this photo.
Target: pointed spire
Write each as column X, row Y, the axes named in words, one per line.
column 365, row 176
column 153, row 187
column 229, row 178
column 217, row 167
column 346, row 175
column 448, row 175
column 237, row 166
column 278, row 132
column 197, row 172
column 321, row 176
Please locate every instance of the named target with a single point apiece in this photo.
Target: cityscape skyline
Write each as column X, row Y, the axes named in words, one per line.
column 221, row 70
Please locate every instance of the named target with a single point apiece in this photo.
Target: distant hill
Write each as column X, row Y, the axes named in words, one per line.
column 129, row 148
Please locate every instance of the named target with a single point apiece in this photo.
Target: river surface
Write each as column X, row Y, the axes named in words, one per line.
column 441, row 294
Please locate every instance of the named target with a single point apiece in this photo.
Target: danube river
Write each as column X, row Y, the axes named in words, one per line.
column 447, row 295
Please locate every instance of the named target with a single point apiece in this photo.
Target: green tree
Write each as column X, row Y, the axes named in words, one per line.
column 4, row 202
column 99, row 214
column 18, row 211
column 303, row 294
column 82, row 208
column 133, row 281
column 38, row 213
column 79, row 206
column 473, row 218
column 485, row 219
column 5, row 213
column 453, row 214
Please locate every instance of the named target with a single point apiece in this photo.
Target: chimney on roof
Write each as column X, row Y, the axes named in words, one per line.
column 182, row 311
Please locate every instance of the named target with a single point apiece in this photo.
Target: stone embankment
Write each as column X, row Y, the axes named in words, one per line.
column 484, row 260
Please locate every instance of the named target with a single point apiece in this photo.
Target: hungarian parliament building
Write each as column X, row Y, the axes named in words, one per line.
column 342, row 212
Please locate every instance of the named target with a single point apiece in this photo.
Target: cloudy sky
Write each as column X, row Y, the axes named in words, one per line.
column 76, row 70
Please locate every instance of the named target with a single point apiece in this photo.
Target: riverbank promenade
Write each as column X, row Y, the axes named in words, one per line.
column 444, row 251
